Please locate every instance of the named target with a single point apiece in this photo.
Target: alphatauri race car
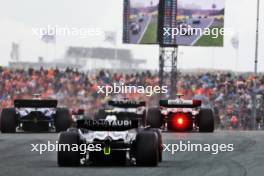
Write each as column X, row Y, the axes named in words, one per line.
column 119, row 138
column 124, row 109
column 181, row 115
column 35, row 115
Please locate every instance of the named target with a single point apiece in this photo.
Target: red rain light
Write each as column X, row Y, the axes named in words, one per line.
column 180, row 121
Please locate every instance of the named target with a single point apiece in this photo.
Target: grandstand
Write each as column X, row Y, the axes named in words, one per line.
column 87, row 58
column 98, row 57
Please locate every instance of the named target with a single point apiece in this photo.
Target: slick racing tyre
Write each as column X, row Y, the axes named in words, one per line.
column 144, row 118
column 206, row 120
column 147, row 152
column 68, row 157
column 63, row 119
column 8, row 120
column 154, row 118
column 160, row 143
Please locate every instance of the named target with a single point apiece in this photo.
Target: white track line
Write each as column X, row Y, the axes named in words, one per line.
column 146, row 27
column 202, row 35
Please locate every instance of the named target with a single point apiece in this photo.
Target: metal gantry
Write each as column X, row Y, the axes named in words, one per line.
column 168, row 68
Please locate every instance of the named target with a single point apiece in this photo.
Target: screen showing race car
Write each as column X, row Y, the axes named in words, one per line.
column 174, row 22
column 140, row 21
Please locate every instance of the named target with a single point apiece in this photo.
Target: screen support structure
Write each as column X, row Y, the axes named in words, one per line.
column 254, row 101
column 168, row 52
column 168, row 68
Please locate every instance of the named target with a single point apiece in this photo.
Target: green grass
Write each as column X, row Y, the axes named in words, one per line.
column 150, row 35
column 208, row 40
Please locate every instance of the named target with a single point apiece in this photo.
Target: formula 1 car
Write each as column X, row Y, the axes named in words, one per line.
column 35, row 115
column 120, row 135
column 77, row 114
column 135, row 28
column 124, row 108
column 196, row 21
column 181, row 115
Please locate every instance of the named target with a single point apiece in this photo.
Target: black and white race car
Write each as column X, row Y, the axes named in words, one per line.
column 119, row 138
column 135, row 28
column 181, row 115
column 35, row 115
column 124, row 109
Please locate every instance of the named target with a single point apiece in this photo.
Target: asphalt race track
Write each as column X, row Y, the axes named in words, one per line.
column 246, row 159
column 192, row 39
column 135, row 38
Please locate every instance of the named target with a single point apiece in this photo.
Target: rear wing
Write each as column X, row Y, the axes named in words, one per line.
column 24, row 103
column 181, row 103
column 104, row 125
column 127, row 104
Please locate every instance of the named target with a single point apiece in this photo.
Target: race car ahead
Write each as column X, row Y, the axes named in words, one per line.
column 196, row 21
column 125, row 109
column 119, row 136
column 35, row 115
column 181, row 115
column 135, row 28
column 77, row 114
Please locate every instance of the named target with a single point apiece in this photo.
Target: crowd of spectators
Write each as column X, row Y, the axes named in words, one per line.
column 229, row 94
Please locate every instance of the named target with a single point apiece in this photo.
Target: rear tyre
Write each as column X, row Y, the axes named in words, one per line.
column 160, row 143
column 206, row 120
column 63, row 119
column 144, row 118
column 68, row 157
column 8, row 120
column 154, row 118
column 147, row 153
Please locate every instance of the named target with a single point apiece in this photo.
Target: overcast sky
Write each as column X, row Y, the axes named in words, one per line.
column 17, row 18
column 146, row 3
column 203, row 4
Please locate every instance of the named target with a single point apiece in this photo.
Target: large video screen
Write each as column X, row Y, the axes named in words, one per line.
column 174, row 22
column 140, row 21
